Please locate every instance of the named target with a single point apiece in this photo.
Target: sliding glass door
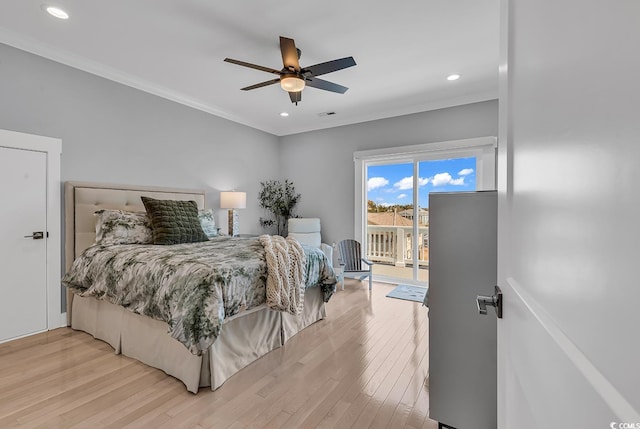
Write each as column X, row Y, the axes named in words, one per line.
column 392, row 186
column 397, row 211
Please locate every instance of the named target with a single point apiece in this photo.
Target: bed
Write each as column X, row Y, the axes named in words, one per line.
column 241, row 338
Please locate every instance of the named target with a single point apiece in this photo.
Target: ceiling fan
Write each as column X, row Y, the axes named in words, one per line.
column 293, row 78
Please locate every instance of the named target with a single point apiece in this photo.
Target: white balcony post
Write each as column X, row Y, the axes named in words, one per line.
column 400, row 247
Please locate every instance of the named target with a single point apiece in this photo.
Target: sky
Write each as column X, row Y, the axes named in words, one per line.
column 393, row 183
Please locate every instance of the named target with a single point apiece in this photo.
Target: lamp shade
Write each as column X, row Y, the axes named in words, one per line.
column 233, row 200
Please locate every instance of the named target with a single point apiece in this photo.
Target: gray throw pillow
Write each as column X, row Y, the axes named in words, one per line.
column 174, row 222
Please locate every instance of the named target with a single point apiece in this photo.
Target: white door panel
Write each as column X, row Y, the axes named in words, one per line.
column 568, row 214
column 23, row 261
column 541, row 358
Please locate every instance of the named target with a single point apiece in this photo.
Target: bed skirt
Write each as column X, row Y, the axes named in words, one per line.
column 244, row 338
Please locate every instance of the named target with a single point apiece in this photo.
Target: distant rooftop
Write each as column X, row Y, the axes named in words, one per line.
column 409, row 212
column 388, row 219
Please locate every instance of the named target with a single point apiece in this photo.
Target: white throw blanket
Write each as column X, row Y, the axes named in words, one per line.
column 286, row 273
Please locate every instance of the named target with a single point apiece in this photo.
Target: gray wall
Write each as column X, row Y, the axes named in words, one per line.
column 320, row 163
column 116, row 134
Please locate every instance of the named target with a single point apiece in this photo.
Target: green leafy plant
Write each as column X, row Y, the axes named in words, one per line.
column 280, row 200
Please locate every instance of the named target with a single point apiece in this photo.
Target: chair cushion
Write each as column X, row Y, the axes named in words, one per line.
column 305, row 230
column 311, row 239
column 304, row 225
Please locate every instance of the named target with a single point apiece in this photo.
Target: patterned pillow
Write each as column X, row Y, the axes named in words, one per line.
column 208, row 222
column 174, row 222
column 122, row 227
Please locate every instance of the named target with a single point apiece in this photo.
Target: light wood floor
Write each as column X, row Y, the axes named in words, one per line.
column 365, row 366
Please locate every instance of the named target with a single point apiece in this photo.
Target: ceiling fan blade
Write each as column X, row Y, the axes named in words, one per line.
column 330, row 66
column 295, row 97
column 289, row 53
column 260, row 85
column 253, row 66
column 326, row 85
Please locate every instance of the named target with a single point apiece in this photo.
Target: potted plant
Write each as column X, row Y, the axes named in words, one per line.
column 280, row 200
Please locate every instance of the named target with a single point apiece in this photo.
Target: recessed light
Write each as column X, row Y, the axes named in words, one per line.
column 284, row 114
column 453, row 77
column 56, row 12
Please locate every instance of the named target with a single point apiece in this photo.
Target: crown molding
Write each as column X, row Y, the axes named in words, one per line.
column 69, row 59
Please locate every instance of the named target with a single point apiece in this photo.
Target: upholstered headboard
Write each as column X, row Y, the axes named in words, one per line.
column 82, row 199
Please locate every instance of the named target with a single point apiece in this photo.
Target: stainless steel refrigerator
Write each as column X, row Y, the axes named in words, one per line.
column 462, row 343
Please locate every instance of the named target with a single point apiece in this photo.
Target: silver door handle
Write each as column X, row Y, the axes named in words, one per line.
column 494, row 301
column 36, row 235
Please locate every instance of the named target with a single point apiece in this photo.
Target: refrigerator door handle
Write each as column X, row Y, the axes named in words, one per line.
column 495, row 301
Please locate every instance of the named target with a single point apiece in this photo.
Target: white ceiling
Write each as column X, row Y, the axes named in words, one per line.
column 404, row 51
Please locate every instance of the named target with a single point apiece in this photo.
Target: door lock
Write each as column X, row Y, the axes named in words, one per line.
column 494, row 301
column 36, row 235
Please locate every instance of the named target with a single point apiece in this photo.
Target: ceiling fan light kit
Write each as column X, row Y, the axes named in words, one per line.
column 292, row 83
column 293, row 78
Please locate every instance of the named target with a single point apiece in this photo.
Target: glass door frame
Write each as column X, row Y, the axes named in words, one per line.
column 482, row 148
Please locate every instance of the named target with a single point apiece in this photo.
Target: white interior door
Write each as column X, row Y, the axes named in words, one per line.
column 23, row 260
column 568, row 215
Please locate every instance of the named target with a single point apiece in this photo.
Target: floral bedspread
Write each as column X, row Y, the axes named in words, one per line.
column 192, row 287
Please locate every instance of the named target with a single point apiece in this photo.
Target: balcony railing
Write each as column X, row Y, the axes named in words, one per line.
column 393, row 245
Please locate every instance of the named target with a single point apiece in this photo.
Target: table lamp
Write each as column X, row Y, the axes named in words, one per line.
column 233, row 200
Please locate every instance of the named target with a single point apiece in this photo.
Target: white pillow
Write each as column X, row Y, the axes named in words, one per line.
column 122, row 227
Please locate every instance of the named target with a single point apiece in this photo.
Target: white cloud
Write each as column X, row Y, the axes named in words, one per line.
column 376, row 182
column 442, row 179
column 401, row 196
column 407, row 183
column 465, row 172
column 385, row 204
